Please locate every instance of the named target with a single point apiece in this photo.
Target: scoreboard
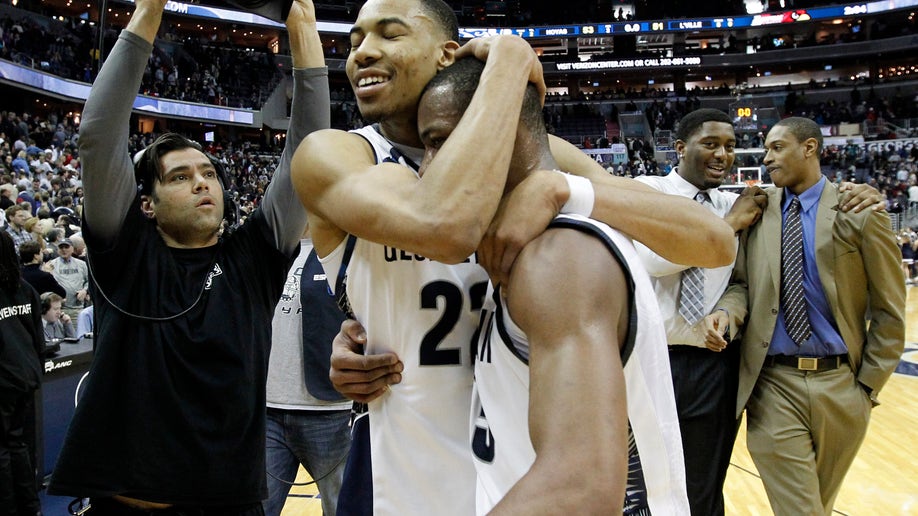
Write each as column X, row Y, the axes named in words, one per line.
column 194, row 9
column 695, row 24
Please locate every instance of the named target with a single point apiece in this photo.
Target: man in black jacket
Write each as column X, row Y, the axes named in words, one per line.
column 21, row 339
column 42, row 281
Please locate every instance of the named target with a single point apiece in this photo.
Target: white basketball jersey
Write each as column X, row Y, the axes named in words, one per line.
column 426, row 312
column 500, row 408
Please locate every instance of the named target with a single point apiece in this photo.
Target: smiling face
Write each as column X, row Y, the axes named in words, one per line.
column 188, row 202
column 396, row 48
column 707, row 155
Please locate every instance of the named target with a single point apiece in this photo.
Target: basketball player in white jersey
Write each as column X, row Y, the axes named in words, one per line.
column 363, row 184
column 410, row 456
column 572, row 401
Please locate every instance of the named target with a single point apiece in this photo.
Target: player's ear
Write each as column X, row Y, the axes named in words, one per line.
column 447, row 54
column 146, row 206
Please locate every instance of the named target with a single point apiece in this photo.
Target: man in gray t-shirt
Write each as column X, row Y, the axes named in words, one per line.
column 307, row 420
column 72, row 274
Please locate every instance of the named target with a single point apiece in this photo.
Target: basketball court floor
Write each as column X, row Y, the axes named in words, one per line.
column 882, row 482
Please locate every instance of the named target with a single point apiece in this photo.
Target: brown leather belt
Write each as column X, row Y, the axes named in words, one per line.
column 807, row 363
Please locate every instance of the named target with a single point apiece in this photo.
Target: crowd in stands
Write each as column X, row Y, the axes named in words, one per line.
column 861, row 107
column 892, row 169
column 204, row 70
column 64, row 48
column 182, row 67
column 721, row 90
column 517, row 13
column 662, row 112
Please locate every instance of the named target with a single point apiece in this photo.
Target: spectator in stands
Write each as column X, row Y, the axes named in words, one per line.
column 704, row 379
column 53, row 237
column 7, row 196
column 24, row 198
column 913, row 196
column 65, row 224
column 73, row 275
column 42, row 281
column 20, row 165
column 55, row 323
column 16, row 217
column 79, row 246
column 909, row 246
column 35, row 227
column 65, row 207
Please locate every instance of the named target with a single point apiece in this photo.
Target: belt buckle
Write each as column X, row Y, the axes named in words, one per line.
column 807, row 363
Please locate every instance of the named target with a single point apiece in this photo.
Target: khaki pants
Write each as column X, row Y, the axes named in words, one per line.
column 804, row 430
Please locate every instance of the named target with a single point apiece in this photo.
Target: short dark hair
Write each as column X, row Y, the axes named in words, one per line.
column 148, row 162
column 695, row 119
column 443, row 16
column 28, row 250
column 803, row 129
column 462, row 78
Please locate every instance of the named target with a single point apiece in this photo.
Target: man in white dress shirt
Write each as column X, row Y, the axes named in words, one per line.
column 704, row 379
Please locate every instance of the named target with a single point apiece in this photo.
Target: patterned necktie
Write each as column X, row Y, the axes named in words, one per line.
column 691, row 293
column 792, row 299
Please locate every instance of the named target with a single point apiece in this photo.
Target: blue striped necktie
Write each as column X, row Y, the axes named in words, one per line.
column 796, row 319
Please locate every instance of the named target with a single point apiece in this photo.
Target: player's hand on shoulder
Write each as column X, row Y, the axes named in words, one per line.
column 748, row 208
column 523, row 214
column 861, row 196
column 360, row 377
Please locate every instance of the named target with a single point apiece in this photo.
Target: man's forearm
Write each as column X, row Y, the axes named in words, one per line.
column 676, row 228
column 306, row 47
